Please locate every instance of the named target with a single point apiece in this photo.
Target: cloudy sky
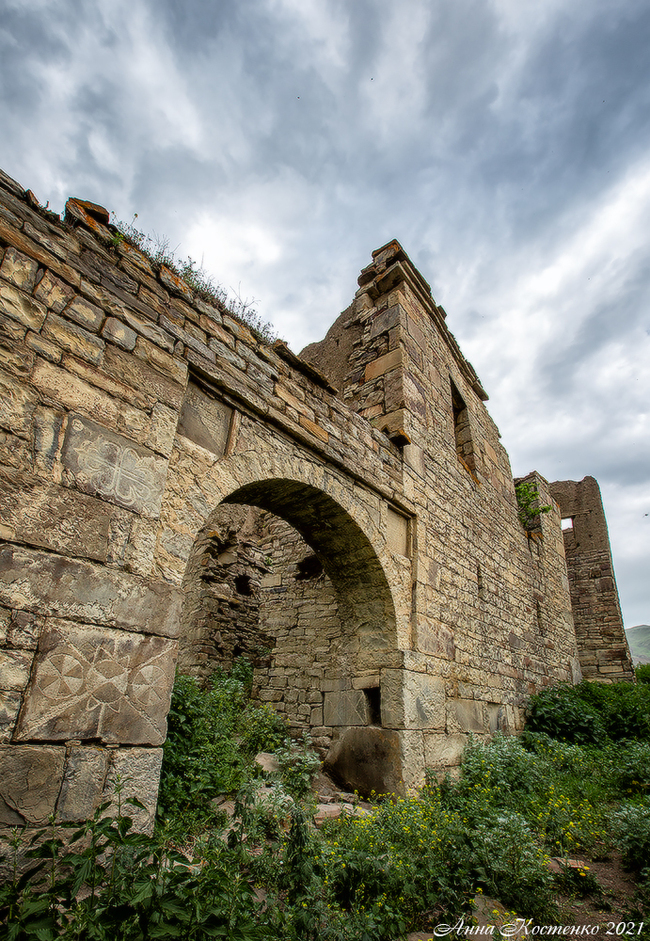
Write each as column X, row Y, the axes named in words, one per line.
column 505, row 143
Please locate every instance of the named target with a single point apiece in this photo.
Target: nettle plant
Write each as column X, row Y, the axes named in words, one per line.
column 530, row 508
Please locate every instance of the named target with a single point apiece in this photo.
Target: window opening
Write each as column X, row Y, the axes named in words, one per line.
column 462, row 431
column 567, row 523
column 243, row 585
column 309, row 567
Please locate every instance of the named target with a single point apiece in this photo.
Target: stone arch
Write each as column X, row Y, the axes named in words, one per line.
column 339, row 686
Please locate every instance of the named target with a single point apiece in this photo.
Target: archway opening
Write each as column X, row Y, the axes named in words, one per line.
column 282, row 574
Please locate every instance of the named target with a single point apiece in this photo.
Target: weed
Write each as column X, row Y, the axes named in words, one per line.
column 529, row 506
column 158, row 251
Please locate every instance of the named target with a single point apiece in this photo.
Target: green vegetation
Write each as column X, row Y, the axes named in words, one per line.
column 570, row 785
column 529, row 506
column 159, row 253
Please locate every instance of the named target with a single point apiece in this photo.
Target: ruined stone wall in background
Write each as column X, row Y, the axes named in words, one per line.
column 222, row 601
column 130, row 409
column 603, row 647
column 299, row 610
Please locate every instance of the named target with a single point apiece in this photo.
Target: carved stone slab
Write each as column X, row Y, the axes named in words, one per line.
column 108, row 465
column 205, row 420
column 90, row 683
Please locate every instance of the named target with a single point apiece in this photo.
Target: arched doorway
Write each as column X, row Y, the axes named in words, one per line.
column 283, row 574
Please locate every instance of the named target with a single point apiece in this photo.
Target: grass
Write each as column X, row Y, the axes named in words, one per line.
column 158, row 252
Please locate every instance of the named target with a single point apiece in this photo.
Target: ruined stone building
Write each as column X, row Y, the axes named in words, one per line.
column 171, row 486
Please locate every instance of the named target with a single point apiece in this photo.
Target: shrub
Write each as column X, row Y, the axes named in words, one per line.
column 643, row 673
column 560, row 712
column 512, row 867
column 632, row 833
column 631, row 767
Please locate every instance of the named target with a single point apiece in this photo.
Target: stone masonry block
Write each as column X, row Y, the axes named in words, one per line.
column 83, row 783
column 30, row 780
column 19, row 269
column 53, row 293
column 14, row 668
column 61, row 587
column 411, row 700
column 56, row 518
column 21, row 307
column 116, row 332
column 10, row 701
column 111, row 466
column 73, row 338
column 465, row 715
column 346, row 707
column 17, row 404
column 443, row 751
column 139, row 771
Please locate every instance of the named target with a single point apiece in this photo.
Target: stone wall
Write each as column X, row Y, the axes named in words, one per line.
column 603, row 647
column 144, row 435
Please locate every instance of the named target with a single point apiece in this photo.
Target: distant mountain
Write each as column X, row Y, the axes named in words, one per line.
column 639, row 640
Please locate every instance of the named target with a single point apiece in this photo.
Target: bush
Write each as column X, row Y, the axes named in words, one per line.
column 632, row 833
column 560, row 712
column 631, row 767
column 591, row 713
column 643, row 673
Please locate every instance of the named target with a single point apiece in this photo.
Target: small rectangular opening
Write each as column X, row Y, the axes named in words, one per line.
column 567, row 523
column 373, row 699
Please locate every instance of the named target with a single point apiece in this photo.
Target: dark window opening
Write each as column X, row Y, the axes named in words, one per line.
column 243, row 585
column 309, row 567
column 462, row 431
column 373, row 699
column 540, row 620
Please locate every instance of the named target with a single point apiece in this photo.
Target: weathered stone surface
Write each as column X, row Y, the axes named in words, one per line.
column 14, row 668
column 205, row 420
column 465, row 715
column 397, row 532
column 85, row 314
column 83, row 784
column 346, row 707
column 19, row 269
column 86, row 592
column 367, row 760
column 91, row 683
column 43, row 347
column 17, row 404
column 139, row 771
column 412, row 700
column 73, row 338
column 162, row 429
column 443, row 751
column 113, row 467
column 10, row 702
column 52, row 292
column 30, row 780
column 116, row 332
column 143, row 377
column 55, row 518
column 21, row 307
